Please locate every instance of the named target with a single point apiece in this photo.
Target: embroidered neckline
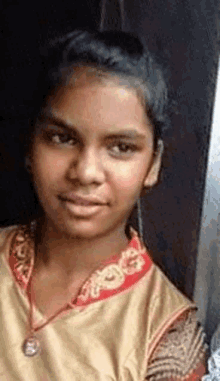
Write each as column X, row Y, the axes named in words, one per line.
column 115, row 275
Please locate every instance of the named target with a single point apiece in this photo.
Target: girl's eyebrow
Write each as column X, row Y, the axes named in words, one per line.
column 128, row 134
column 57, row 121
column 123, row 133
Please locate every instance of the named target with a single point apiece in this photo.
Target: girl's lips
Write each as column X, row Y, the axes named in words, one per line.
column 86, row 201
column 78, row 202
column 79, row 210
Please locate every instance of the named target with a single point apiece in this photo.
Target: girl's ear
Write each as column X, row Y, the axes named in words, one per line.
column 153, row 174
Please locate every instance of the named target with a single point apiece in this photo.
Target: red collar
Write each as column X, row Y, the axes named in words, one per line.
column 115, row 275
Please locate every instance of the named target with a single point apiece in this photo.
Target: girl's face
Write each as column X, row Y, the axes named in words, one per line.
column 91, row 157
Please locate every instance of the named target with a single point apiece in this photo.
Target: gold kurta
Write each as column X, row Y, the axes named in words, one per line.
column 109, row 333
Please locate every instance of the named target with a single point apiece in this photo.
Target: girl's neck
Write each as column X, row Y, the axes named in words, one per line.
column 70, row 256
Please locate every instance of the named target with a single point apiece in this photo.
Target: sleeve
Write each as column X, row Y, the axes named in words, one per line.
column 180, row 356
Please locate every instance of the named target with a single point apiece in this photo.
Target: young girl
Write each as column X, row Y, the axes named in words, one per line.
column 80, row 298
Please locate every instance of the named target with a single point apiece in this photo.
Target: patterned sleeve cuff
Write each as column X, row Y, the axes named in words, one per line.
column 180, row 352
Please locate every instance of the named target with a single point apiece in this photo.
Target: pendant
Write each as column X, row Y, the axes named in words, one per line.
column 31, row 346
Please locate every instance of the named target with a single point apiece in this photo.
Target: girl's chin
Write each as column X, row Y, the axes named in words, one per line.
column 80, row 230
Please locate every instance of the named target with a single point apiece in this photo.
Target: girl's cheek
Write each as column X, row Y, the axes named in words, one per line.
column 51, row 162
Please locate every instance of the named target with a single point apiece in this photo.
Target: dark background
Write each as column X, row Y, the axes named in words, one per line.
column 184, row 36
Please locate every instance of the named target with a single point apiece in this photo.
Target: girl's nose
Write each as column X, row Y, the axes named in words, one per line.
column 87, row 168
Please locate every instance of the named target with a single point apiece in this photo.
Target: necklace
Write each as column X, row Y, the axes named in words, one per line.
column 31, row 345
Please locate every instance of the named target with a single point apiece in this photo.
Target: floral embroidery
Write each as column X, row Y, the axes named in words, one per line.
column 131, row 261
column 109, row 278
column 113, row 275
column 22, row 257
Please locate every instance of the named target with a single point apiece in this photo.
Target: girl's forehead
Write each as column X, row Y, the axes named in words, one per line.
column 98, row 101
column 103, row 104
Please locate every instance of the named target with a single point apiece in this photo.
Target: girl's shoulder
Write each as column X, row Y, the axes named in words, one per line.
column 164, row 287
column 5, row 234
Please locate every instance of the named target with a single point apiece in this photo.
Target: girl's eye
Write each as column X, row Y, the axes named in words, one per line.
column 123, row 149
column 62, row 139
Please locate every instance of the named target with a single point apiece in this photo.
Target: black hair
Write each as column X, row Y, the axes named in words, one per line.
column 114, row 52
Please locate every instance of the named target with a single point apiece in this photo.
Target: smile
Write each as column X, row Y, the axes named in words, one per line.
column 80, row 209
